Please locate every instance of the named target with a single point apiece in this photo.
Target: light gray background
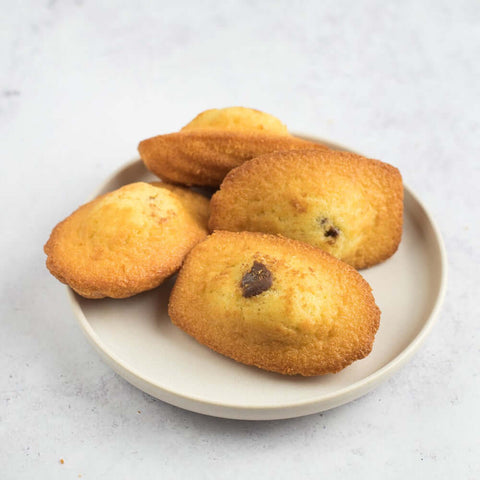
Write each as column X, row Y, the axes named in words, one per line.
column 82, row 82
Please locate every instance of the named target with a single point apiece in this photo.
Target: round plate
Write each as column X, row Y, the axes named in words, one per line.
column 136, row 337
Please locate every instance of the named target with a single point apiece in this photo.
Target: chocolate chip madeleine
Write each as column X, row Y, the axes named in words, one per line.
column 348, row 205
column 216, row 141
column 275, row 303
column 127, row 241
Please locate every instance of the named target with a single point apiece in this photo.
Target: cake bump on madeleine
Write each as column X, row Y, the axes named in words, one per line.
column 274, row 303
column 127, row 241
column 348, row 205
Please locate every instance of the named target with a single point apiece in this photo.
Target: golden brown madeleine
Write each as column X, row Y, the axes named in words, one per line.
column 216, row 141
column 348, row 205
column 127, row 241
column 275, row 303
column 237, row 119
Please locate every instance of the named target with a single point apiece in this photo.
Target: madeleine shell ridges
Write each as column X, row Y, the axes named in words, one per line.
column 214, row 142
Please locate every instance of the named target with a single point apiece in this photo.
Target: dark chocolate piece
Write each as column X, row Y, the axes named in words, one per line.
column 332, row 232
column 329, row 230
column 256, row 281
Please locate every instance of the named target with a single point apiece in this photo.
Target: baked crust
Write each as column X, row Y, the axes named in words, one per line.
column 343, row 203
column 214, row 142
column 127, row 241
column 237, row 119
column 317, row 315
column 204, row 157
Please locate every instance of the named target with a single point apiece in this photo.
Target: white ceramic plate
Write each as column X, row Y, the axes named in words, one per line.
column 135, row 335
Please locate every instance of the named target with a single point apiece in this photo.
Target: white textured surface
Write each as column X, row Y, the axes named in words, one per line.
column 83, row 82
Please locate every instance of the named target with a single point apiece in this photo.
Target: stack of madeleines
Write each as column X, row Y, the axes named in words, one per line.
column 275, row 285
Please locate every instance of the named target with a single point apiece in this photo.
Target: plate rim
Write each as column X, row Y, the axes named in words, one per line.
column 303, row 407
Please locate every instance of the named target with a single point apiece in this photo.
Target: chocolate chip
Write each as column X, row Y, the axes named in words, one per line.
column 256, row 281
column 332, row 232
column 329, row 230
